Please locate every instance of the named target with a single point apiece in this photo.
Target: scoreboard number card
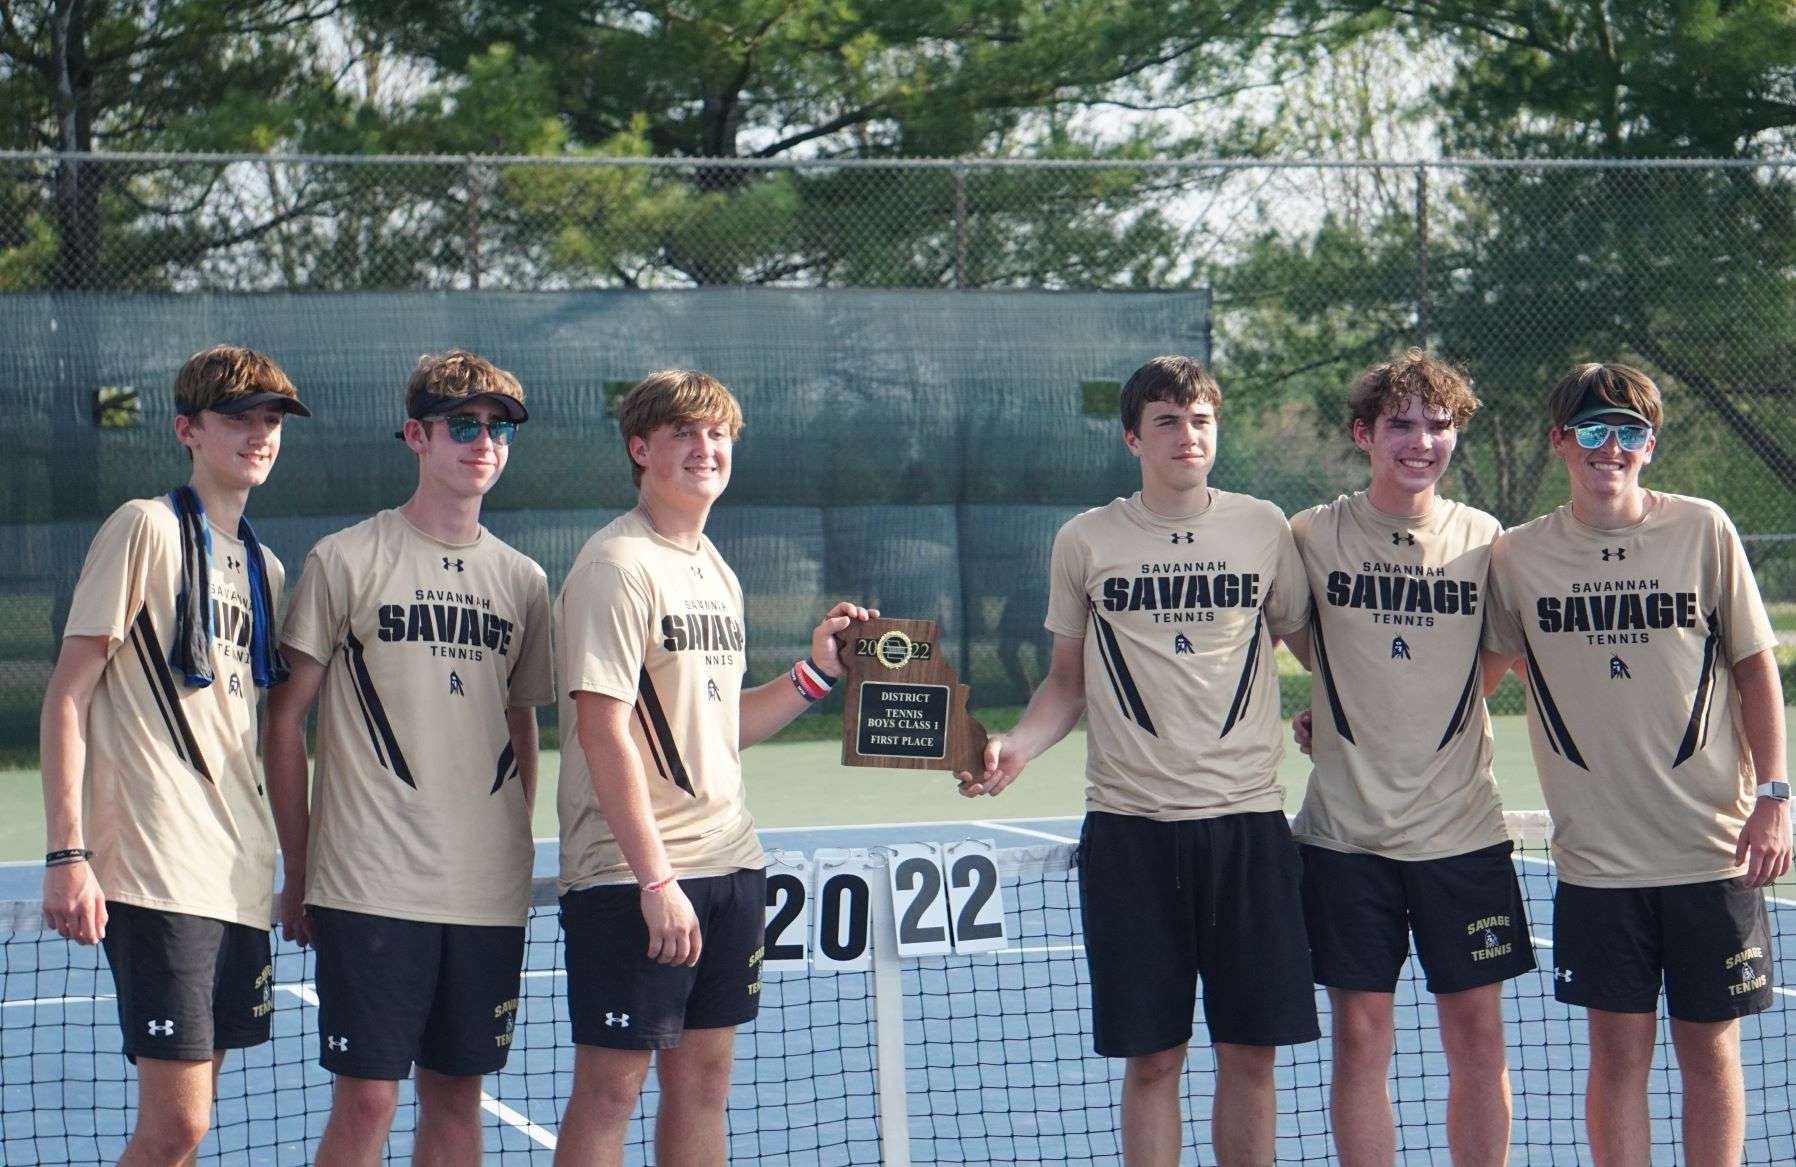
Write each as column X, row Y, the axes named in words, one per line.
column 843, row 911
column 919, row 899
column 975, row 896
column 788, row 912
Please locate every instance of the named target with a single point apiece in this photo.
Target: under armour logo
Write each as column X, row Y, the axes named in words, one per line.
column 1399, row 538
column 1490, row 938
column 1619, row 668
column 711, row 691
column 1399, row 648
column 337, row 1042
column 1562, row 974
column 236, row 686
column 455, row 689
column 233, row 563
column 1181, row 644
column 619, row 1020
column 1614, row 553
column 697, row 571
column 1184, row 538
column 163, row 1028
column 452, row 564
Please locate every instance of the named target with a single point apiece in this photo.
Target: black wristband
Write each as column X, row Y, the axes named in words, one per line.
column 66, row 856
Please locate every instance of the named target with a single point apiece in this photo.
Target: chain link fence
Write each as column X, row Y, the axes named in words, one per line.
column 1518, row 270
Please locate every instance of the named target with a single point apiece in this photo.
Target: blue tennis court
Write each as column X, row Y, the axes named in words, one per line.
column 987, row 1054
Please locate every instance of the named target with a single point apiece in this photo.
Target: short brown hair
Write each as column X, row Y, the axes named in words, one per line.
column 1173, row 379
column 1622, row 386
column 228, row 375
column 1384, row 387
column 441, row 381
column 672, row 396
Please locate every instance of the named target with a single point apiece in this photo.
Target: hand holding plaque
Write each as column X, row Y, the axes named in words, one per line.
column 903, row 706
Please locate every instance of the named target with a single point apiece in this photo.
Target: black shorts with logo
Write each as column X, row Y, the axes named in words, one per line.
column 1709, row 944
column 620, row 999
column 1466, row 911
column 188, row 985
column 396, row 992
column 1164, row 903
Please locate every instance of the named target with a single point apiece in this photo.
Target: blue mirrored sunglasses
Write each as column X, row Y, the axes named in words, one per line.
column 1592, row 435
column 464, row 428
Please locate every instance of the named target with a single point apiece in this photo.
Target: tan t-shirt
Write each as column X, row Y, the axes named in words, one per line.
column 1178, row 616
column 644, row 620
column 1628, row 639
column 417, row 812
column 1401, row 739
column 172, row 799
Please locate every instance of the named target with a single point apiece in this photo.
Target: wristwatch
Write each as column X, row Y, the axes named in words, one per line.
column 1777, row 790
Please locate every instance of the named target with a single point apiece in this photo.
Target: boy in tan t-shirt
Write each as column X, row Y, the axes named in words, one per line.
column 663, row 881
column 1165, row 608
column 1401, row 828
column 159, row 838
column 1655, row 713
column 409, row 868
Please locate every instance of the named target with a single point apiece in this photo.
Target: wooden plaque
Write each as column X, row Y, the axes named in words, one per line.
column 903, row 706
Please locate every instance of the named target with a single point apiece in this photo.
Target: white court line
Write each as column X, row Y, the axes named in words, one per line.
column 306, row 991
column 995, row 825
column 34, row 1002
column 1770, row 899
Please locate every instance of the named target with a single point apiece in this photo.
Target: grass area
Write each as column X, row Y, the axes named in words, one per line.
column 1783, row 617
column 799, row 781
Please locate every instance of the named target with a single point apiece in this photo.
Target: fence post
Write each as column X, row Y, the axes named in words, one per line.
column 960, row 227
column 473, row 228
column 1421, row 255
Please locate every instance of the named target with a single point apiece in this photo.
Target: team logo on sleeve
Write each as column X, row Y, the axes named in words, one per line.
column 1399, row 648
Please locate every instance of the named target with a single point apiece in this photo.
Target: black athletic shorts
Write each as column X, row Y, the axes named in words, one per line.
column 1467, row 913
column 618, row 998
column 1708, row 943
column 1166, row 902
column 188, row 985
column 396, row 992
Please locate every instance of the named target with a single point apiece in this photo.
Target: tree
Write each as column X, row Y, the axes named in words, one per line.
column 1529, row 270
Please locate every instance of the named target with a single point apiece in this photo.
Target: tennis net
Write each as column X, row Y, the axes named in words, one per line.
column 986, row 1057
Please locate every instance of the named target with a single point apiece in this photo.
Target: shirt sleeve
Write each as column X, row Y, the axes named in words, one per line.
column 1067, row 597
column 1502, row 624
column 605, row 618
column 1745, row 626
column 315, row 617
column 1287, row 606
column 115, row 576
column 532, row 679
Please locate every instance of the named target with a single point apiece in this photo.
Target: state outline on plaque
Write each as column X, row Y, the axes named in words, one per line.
column 896, row 677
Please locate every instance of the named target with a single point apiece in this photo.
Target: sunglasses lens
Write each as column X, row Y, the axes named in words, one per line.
column 461, row 427
column 1632, row 437
column 1592, row 435
column 501, row 432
